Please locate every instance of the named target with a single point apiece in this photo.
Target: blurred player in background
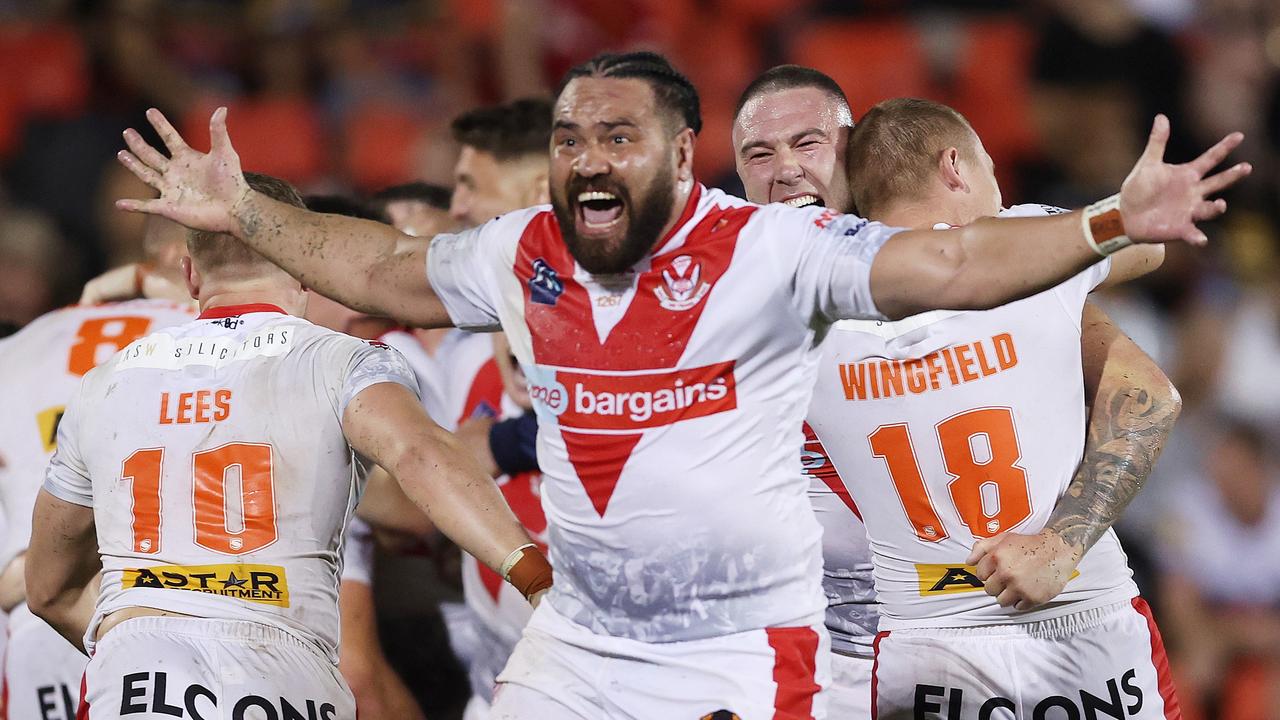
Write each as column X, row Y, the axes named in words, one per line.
column 957, row 437
column 669, row 339
column 220, row 548
column 41, row 368
column 790, row 136
column 502, row 167
column 502, row 163
column 378, row 689
column 417, row 208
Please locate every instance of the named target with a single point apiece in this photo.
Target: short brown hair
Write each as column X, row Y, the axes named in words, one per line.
column 511, row 131
column 895, row 147
column 791, row 77
column 220, row 252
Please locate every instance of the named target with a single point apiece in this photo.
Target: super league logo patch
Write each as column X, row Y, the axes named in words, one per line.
column 545, row 286
column 684, row 288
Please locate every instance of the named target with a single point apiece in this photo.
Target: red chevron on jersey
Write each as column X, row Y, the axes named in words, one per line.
column 651, row 335
column 484, row 399
column 816, row 462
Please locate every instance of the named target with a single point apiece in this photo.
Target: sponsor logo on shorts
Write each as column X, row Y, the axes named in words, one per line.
column 944, row 579
column 151, row 694
column 721, row 715
column 265, row 584
column 1121, row 698
column 633, row 402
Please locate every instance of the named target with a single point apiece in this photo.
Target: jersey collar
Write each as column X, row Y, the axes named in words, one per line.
column 226, row 311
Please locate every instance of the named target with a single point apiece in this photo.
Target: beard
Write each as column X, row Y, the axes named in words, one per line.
column 644, row 217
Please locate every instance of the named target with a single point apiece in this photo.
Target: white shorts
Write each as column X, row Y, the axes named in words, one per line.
column 1102, row 663
column 850, row 696
column 563, row 671
column 159, row 668
column 42, row 671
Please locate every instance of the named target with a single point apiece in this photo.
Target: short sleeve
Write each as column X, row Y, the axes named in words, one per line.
column 357, row 554
column 374, row 363
column 832, row 263
column 67, row 476
column 461, row 270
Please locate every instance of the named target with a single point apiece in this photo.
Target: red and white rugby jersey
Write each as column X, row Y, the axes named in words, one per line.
column 460, row 381
column 40, row 368
column 669, row 401
column 853, row 615
column 214, row 459
column 949, row 426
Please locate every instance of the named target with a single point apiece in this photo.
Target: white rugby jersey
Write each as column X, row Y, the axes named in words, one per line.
column 949, row 426
column 669, row 401
column 40, row 369
column 214, row 459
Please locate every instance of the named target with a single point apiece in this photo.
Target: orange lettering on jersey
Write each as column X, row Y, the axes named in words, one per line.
column 983, row 366
column 222, row 401
column 965, row 362
column 201, row 406
column 951, row 366
column 960, row 363
column 854, row 379
column 935, row 369
column 1006, row 356
column 891, row 378
column 914, row 370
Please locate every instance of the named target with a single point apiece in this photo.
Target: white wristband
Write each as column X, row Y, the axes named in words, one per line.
column 514, row 558
column 1103, row 226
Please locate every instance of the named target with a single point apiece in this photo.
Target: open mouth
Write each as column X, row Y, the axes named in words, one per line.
column 599, row 209
column 804, row 200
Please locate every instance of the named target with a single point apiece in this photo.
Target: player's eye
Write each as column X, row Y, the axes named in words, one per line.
column 620, row 139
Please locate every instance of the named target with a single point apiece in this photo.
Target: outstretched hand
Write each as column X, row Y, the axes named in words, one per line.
column 199, row 190
column 1161, row 202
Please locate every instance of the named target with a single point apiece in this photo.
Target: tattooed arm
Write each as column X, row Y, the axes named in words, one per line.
column 1132, row 410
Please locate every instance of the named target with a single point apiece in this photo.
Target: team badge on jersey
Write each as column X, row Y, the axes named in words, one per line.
column 721, row 715
column 545, row 287
column 685, row 288
column 264, row 584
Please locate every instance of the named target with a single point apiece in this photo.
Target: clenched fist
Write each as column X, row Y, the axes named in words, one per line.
column 1024, row 571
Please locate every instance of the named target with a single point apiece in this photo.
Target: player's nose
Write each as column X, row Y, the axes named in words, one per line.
column 592, row 161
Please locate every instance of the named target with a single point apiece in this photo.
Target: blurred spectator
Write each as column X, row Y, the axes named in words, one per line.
column 33, row 261
column 503, row 163
column 417, row 208
column 1222, row 579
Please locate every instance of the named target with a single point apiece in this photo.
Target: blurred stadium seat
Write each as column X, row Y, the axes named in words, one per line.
column 871, row 59
column 992, row 86
column 277, row 136
column 381, row 139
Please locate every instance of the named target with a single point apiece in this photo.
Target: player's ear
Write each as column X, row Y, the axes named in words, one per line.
column 541, row 189
column 192, row 276
column 685, row 141
column 949, row 171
